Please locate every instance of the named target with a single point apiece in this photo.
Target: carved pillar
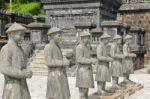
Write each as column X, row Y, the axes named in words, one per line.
column 38, row 34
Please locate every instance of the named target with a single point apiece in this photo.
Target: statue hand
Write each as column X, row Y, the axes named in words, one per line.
column 27, row 73
column 123, row 56
column 93, row 61
column 110, row 59
column 66, row 62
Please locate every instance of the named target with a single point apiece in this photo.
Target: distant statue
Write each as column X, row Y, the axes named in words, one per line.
column 84, row 78
column 103, row 71
column 14, row 65
column 116, row 66
column 57, row 84
column 124, row 1
column 128, row 61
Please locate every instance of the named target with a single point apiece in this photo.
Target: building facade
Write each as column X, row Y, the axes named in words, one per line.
column 67, row 13
column 137, row 13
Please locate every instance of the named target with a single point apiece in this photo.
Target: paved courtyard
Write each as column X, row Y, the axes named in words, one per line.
column 37, row 86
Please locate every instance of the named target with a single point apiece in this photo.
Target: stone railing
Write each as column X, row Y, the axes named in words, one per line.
column 135, row 1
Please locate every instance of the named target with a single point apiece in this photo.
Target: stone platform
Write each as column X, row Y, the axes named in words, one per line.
column 37, row 87
column 129, row 90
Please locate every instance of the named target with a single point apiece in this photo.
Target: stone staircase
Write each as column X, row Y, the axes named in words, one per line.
column 37, row 61
column 37, row 64
column 38, row 67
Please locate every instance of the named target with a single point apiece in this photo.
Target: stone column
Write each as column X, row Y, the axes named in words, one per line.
column 137, row 46
column 38, row 34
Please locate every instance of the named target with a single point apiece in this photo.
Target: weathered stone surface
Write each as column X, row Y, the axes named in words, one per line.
column 135, row 6
column 138, row 14
column 57, row 83
column 13, row 65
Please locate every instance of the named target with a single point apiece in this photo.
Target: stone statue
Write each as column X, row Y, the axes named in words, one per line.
column 84, row 78
column 103, row 72
column 57, row 84
column 128, row 62
column 13, row 65
column 116, row 67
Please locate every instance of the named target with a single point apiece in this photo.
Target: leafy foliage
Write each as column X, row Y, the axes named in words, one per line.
column 20, row 1
column 29, row 7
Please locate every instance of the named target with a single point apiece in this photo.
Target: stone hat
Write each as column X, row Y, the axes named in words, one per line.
column 128, row 37
column 105, row 35
column 84, row 33
column 16, row 27
column 117, row 37
column 54, row 30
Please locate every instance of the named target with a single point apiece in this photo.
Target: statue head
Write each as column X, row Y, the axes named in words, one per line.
column 105, row 38
column 128, row 39
column 16, row 32
column 85, row 37
column 117, row 39
column 55, row 34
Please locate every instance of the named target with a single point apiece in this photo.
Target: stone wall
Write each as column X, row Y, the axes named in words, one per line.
column 67, row 13
column 134, row 15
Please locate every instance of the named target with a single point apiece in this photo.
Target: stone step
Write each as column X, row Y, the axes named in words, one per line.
column 39, row 69
column 38, row 61
column 40, row 56
column 40, row 73
column 37, row 65
column 40, row 53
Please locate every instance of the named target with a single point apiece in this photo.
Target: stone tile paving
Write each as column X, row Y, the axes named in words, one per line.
column 37, row 86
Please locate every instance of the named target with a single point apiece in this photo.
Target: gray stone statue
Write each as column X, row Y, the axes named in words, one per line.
column 57, row 84
column 128, row 62
column 103, row 71
column 84, row 78
column 13, row 65
column 116, row 67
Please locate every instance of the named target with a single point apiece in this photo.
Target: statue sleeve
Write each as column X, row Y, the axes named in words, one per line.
column 100, row 54
column 126, row 53
column 49, row 61
column 79, row 56
column 114, row 54
column 6, row 67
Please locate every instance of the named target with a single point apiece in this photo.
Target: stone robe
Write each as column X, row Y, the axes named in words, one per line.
column 57, row 83
column 128, row 62
column 116, row 67
column 13, row 62
column 84, row 78
column 103, row 70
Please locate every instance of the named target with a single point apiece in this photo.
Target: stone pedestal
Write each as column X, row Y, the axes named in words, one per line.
column 129, row 90
column 138, row 46
column 38, row 34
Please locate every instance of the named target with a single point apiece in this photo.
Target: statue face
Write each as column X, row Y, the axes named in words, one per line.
column 119, row 41
column 105, row 40
column 129, row 40
column 58, row 38
column 18, row 36
column 86, row 39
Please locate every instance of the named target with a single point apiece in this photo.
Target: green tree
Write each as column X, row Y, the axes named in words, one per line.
column 30, row 7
